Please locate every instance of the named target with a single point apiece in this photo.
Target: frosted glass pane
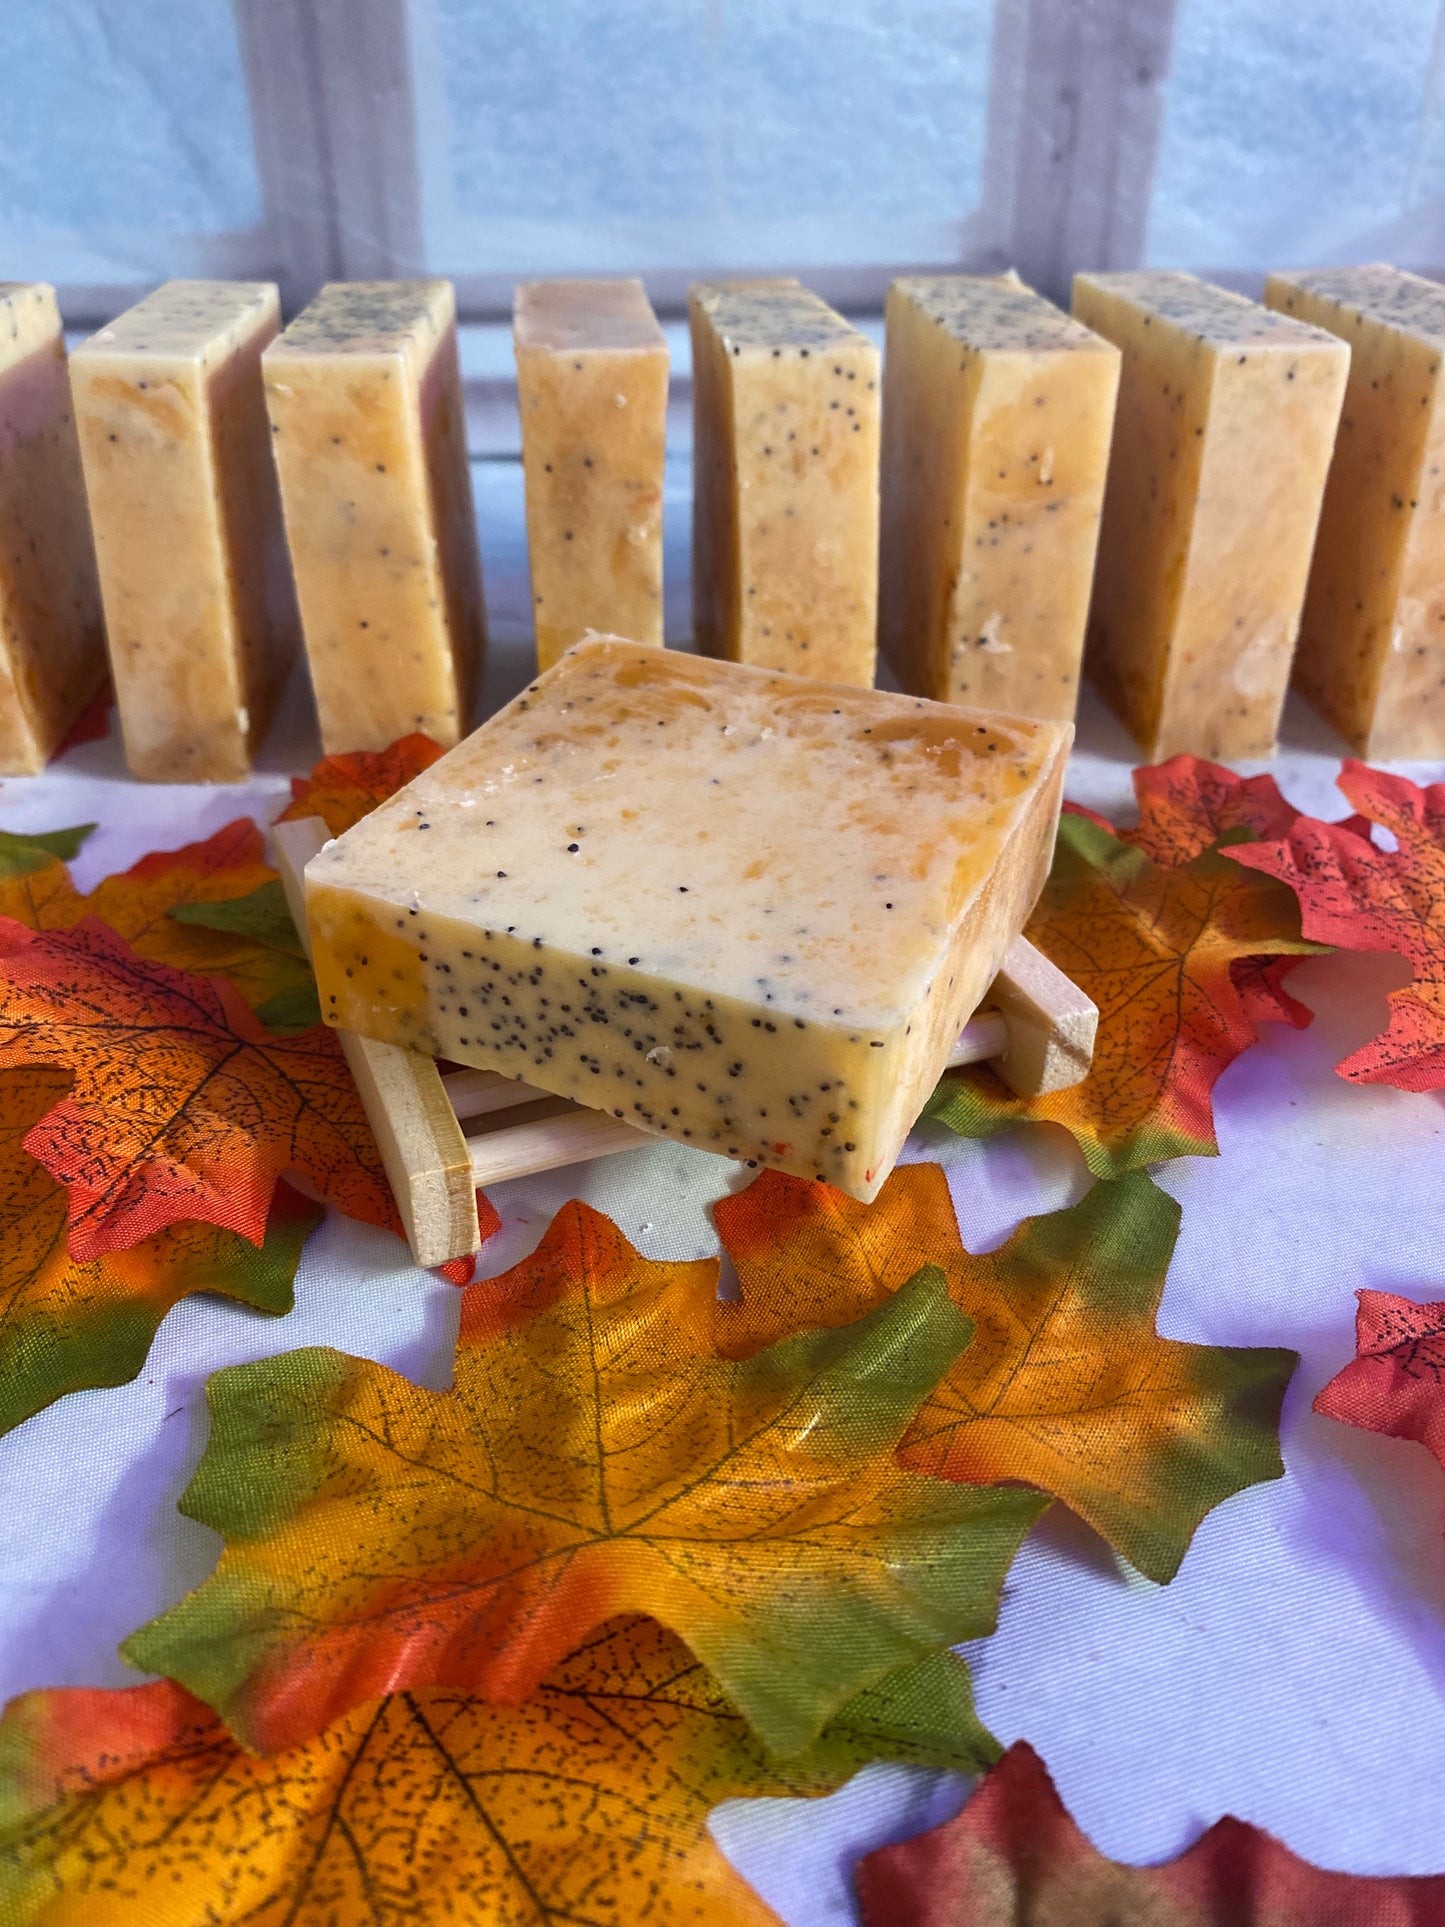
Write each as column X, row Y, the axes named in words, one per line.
column 588, row 133
column 1296, row 134
column 125, row 124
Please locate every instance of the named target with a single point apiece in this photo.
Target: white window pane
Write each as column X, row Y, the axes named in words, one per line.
column 1297, row 134
column 127, row 140
column 608, row 134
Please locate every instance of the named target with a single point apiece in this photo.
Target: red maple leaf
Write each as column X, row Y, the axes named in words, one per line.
column 91, row 724
column 183, row 1106
column 1396, row 1382
column 1358, row 896
column 1014, row 1858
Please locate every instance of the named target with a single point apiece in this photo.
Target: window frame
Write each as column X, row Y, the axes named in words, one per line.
column 1074, row 105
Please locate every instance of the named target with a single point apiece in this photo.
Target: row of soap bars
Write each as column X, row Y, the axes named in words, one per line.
column 1151, row 472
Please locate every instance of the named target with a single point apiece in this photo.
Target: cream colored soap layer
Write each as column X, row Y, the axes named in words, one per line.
column 785, row 502
column 199, row 609
column 592, row 388
column 1371, row 654
column 997, row 410
column 369, row 434
column 735, row 907
column 52, row 638
column 1222, row 440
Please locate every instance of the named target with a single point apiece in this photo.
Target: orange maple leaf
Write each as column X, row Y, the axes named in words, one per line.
column 594, row 1456
column 183, row 1106
column 153, row 904
column 1067, row 1385
column 1154, row 948
column 1014, row 1858
column 66, row 1326
column 1187, row 806
column 342, row 789
column 1359, row 897
column 587, row 1803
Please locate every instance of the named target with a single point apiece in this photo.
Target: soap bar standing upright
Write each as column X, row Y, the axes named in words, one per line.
column 592, row 389
column 364, row 391
column 1371, row 653
column 785, row 501
column 52, row 638
column 1222, row 440
column 200, row 613
column 997, row 410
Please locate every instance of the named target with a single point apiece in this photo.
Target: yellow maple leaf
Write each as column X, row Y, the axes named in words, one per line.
column 588, row 1803
column 594, row 1456
column 1067, row 1385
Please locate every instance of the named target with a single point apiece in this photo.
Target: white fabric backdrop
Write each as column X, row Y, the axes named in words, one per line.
column 1293, row 1673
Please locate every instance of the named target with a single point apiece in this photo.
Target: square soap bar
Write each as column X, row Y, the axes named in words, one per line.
column 592, row 390
column 737, row 908
column 364, row 390
column 1222, row 440
column 52, row 637
column 1371, row 653
column 997, row 410
column 785, row 496
column 199, row 608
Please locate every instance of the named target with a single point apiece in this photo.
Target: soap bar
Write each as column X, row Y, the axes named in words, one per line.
column 732, row 906
column 364, row 390
column 199, row 609
column 785, row 499
column 52, row 638
column 997, row 410
column 1222, row 440
column 1371, row 653
column 592, row 388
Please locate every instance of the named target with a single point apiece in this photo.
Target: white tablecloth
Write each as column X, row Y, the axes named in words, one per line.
column 1293, row 1673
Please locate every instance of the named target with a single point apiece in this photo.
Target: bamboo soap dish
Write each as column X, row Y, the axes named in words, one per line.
column 443, row 1134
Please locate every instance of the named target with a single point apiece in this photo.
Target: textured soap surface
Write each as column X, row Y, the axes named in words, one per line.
column 592, row 391
column 364, row 393
column 997, row 410
column 1222, row 439
column 52, row 637
column 199, row 608
column 1371, row 652
column 785, row 501
column 736, row 907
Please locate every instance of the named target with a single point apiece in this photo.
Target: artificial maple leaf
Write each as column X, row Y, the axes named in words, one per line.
column 1153, row 947
column 182, row 1107
column 66, row 1326
column 588, row 1803
column 1359, row 897
column 92, row 723
column 1013, row 1857
column 262, row 921
column 1187, row 806
column 343, row 789
column 1396, row 1382
column 184, row 908
column 806, row 1254
column 22, row 855
column 1067, row 1386
column 594, row 1456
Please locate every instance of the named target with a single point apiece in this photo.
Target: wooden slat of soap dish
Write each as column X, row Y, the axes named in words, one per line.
column 1036, row 1031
